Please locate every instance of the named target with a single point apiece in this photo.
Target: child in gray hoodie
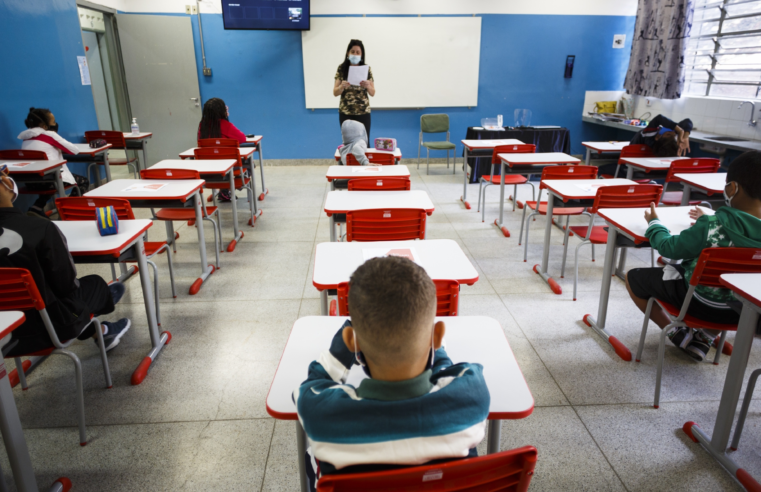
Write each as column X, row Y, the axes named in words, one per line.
column 354, row 142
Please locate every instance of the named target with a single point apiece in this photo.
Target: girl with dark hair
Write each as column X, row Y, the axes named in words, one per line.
column 355, row 103
column 667, row 138
column 42, row 134
column 215, row 124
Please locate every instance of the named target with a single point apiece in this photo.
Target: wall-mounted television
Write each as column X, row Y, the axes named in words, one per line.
column 266, row 14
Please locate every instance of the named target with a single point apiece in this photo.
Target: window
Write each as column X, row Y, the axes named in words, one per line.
column 723, row 56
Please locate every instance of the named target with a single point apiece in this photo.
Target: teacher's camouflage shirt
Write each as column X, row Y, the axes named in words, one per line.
column 355, row 99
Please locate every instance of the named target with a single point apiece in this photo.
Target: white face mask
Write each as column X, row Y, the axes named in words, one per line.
column 354, row 59
column 728, row 199
column 13, row 190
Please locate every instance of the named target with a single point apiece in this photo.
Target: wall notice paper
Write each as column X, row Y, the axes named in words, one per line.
column 368, row 169
column 141, row 187
column 357, row 73
column 591, row 188
column 84, row 70
column 408, row 253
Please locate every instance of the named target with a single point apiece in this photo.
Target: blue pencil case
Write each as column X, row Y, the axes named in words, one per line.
column 108, row 222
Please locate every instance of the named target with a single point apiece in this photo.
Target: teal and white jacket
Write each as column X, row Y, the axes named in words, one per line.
column 438, row 415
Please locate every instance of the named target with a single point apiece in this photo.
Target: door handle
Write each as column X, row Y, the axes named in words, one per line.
column 195, row 99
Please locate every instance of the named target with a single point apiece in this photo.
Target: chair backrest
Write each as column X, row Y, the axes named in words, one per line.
column 375, row 158
column 218, row 142
column 434, row 123
column 385, row 225
column 638, row 150
column 379, row 184
column 447, row 297
column 218, row 153
column 116, row 139
column 16, row 154
column 511, row 149
column 567, row 172
column 83, row 208
column 714, row 262
column 18, row 291
column 507, row 471
column 152, row 173
column 626, row 196
column 690, row 166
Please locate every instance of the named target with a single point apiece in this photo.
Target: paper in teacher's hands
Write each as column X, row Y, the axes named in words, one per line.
column 358, row 73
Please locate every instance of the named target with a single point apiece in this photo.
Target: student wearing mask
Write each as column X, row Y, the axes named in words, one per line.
column 215, row 124
column 355, row 100
column 42, row 134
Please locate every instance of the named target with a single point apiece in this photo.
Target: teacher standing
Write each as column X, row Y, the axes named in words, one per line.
column 355, row 100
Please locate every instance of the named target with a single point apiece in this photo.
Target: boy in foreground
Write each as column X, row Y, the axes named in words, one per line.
column 738, row 224
column 416, row 406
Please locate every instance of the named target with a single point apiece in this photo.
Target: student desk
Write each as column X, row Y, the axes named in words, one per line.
column 256, row 143
column 138, row 141
column 246, row 155
column 32, row 171
column 177, row 193
column 477, row 339
column 630, row 223
column 603, row 148
column 526, row 165
column 211, row 170
column 476, row 149
column 648, row 164
column 709, row 183
column 442, row 259
column 370, row 152
column 747, row 288
column 581, row 191
column 339, row 202
column 89, row 154
column 13, row 435
column 365, row 172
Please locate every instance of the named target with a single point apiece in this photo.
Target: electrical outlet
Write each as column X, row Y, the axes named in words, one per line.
column 648, row 102
column 187, row 9
column 193, row 9
column 207, row 71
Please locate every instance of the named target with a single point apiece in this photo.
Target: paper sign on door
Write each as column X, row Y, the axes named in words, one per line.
column 408, row 253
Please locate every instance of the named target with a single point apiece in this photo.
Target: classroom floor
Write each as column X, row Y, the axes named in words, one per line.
column 198, row 422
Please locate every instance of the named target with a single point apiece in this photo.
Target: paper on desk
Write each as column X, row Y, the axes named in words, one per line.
column 363, row 169
column 591, row 187
column 18, row 164
column 140, row 187
column 357, row 73
column 495, row 128
column 408, row 253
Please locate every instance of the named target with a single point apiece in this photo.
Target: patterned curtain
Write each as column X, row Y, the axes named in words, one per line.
column 656, row 66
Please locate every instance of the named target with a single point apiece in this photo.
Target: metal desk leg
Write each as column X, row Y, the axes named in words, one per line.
column 252, row 167
column 158, row 340
column 332, row 185
column 686, row 195
column 143, row 144
column 504, row 230
column 108, row 167
column 206, row 269
column 59, row 183
column 629, row 171
column 717, row 444
column 13, row 436
column 301, row 450
column 332, row 228
column 589, row 156
column 265, row 191
column 324, row 302
column 621, row 269
column 464, row 197
column 598, row 325
column 495, row 431
column 237, row 234
column 546, row 252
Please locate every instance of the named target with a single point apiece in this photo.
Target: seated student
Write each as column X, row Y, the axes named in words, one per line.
column 36, row 244
column 736, row 225
column 42, row 134
column 665, row 137
column 215, row 124
column 416, row 405
column 354, row 142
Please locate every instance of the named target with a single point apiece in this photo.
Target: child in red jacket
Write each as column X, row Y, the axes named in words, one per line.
column 215, row 124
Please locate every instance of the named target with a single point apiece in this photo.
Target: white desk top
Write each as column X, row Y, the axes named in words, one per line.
column 9, row 321
column 442, row 259
column 631, row 221
column 650, row 163
column 538, row 158
column 352, row 172
column 139, row 136
column 254, row 139
column 746, row 285
column 203, row 166
column 397, row 153
column 339, row 202
column 710, row 182
column 85, row 149
column 244, row 152
column 27, row 166
column 84, row 239
column 605, row 146
column 582, row 189
column 175, row 189
column 477, row 339
column 489, row 144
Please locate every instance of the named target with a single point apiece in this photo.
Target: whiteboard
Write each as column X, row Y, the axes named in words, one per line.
column 417, row 62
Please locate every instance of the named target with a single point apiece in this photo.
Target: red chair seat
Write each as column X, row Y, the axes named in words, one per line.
column 556, row 210
column 151, row 247
column 508, row 179
column 694, row 322
column 599, row 234
column 239, row 183
column 181, row 213
column 675, row 198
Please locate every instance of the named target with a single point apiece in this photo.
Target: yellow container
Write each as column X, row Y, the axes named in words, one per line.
column 606, row 106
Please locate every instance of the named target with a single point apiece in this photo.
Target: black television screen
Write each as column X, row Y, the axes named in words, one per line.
column 266, row 14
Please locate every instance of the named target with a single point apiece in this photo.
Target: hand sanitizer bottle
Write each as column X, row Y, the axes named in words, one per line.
column 499, row 120
column 135, row 128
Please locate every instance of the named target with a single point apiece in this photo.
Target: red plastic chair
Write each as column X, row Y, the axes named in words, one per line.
column 84, row 209
column 375, row 158
column 32, row 155
column 218, row 142
column 712, row 263
column 509, row 179
column 18, row 291
column 385, row 225
column 637, row 150
column 242, row 179
column 555, row 172
column 117, row 141
column 185, row 214
column 686, row 166
column 625, row 196
column 447, row 298
column 507, row 471
column 380, row 184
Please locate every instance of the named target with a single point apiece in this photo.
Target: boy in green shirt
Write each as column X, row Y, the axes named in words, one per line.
column 736, row 225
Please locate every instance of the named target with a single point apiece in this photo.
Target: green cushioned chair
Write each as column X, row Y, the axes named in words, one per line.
column 435, row 123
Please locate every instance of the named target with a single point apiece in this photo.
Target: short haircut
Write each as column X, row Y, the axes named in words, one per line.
column 393, row 304
column 666, row 146
column 746, row 171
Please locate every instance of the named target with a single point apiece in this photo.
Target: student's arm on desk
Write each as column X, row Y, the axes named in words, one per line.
column 57, row 263
column 689, row 244
column 331, row 367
